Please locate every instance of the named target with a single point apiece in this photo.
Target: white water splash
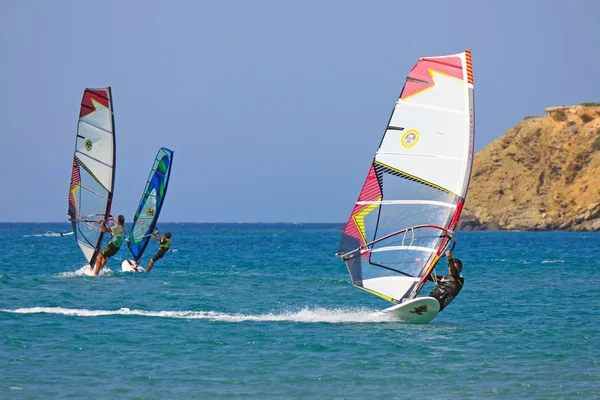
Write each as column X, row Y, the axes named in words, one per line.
column 553, row 261
column 306, row 315
column 70, row 274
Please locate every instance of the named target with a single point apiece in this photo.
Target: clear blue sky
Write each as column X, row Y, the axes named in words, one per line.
column 274, row 108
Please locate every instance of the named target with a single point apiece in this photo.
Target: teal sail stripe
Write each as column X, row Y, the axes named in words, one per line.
column 151, row 203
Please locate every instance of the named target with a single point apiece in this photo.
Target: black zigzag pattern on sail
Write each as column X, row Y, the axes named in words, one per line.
column 381, row 168
column 82, row 165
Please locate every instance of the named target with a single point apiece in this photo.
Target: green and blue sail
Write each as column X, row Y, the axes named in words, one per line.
column 151, row 203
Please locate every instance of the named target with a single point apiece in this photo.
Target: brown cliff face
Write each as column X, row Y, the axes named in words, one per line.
column 543, row 174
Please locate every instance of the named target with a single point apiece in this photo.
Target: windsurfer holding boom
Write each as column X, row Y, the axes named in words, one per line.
column 448, row 286
column 117, row 235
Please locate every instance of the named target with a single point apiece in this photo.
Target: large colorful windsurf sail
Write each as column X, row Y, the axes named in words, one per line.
column 412, row 198
column 151, row 203
column 93, row 170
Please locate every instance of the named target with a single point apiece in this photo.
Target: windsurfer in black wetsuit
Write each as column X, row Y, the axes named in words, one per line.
column 448, row 286
column 165, row 243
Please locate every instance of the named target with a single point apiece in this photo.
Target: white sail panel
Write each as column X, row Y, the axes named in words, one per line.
column 101, row 117
column 390, row 286
column 95, row 143
column 432, row 145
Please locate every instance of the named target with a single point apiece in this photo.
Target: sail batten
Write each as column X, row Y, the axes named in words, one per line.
column 416, row 186
column 437, row 203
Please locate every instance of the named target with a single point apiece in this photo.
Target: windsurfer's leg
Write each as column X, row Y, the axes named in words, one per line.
column 437, row 294
column 98, row 265
column 150, row 265
column 156, row 257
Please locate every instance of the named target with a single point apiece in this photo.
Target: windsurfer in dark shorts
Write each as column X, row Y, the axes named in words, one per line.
column 118, row 233
column 448, row 286
column 165, row 243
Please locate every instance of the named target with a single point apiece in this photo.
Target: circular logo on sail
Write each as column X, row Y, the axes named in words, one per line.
column 88, row 144
column 410, row 138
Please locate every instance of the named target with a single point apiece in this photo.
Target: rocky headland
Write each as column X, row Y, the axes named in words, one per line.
column 542, row 174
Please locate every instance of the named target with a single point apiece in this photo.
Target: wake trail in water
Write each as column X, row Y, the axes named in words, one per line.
column 306, row 315
column 50, row 234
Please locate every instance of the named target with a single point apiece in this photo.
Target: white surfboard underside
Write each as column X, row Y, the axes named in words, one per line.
column 132, row 266
column 416, row 311
column 89, row 271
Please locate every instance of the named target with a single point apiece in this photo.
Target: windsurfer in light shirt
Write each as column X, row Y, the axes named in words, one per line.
column 118, row 233
column 448, row 286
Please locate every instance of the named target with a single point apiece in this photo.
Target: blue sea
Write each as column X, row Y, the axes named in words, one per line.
column 266, row 311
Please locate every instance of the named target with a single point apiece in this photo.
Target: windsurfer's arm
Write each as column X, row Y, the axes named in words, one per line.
column 453, row 271
column 154, row 237
column 103, row 226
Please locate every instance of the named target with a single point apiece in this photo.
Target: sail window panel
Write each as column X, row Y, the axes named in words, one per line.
column 145, row 218
column 141, row 228
column 88, row 234
column 394, row 218
column 370, row 270
column 90, row 205
column 401, row 262
column 423, row 238
column 403, row 250
column 95, row 143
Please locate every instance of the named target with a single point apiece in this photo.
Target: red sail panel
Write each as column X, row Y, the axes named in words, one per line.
column 371, row 191
column 420, row 77
column 87, row 106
